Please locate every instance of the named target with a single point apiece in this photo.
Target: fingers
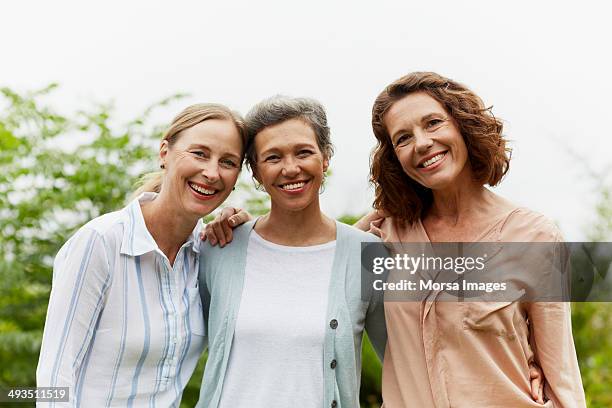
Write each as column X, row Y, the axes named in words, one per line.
column 537, row 383
column 541, row 393
column 225, row 213
column 364, row 222
column 218, row 231
column 239, row 218
column 210, row 234
column 375, row 231
column 227, row 232
column 375, row 227
column 382, row 214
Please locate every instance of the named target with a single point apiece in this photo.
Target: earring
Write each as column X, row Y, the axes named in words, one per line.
column 257, row 184
column 162, row 166
column 233, row 188
column 322, row 187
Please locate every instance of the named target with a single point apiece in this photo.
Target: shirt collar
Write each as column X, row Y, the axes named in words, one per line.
column 137, row 239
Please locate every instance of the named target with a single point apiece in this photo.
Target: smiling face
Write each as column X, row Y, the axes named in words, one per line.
column 290, row 164
column 202, row 166
column 427, row 141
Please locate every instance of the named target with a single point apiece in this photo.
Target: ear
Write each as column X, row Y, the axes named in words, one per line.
column 163, row 152
column 325, row 164
column 256, row 174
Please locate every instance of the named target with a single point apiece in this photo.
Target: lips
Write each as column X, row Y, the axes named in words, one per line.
column 432, row 159
column 294, row 186
column 202, row 191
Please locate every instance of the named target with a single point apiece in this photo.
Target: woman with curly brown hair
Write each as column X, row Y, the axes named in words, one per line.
column 438, row 146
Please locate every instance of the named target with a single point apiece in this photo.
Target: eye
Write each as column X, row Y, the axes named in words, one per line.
column 432, row 123
column 273, row 158
column 227, row 163
column 403, row 140
column 198, row 153
column 304, row 153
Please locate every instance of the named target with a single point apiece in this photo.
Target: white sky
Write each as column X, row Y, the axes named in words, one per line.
column 542, row 64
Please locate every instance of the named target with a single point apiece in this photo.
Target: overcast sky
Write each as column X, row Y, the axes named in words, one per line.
column 545, row 67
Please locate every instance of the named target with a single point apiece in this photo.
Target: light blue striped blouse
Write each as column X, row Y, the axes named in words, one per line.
column 124, row 327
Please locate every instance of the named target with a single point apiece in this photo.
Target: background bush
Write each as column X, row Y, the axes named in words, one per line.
column 57, row 172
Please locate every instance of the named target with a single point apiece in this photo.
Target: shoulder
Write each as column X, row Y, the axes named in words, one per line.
column 523, row 224
column 103, row 232
column 356, row 235
column 107, row 223
column 393, row 230
column 210, row 254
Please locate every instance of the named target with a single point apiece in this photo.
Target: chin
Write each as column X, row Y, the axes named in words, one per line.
column 295, row 206
column 203, row 209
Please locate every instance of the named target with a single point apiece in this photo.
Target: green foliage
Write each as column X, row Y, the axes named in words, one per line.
column 58, row 171
column 370, row 394
column 592, row 322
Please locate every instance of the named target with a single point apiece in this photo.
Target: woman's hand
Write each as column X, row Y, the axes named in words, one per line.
column 220, row 229
column 536, row 377
column 371, row 222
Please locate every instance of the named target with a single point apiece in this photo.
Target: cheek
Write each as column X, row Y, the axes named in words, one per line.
column 405, row 159
column 230, row 177
column 462, row 153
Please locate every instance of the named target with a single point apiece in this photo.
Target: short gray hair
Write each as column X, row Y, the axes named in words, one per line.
column 278, row 109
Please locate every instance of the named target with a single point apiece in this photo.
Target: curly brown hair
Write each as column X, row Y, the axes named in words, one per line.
column 489, row 157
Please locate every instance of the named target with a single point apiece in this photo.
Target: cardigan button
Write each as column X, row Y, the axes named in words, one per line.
column 334, row 404
column 333, row 324
column 333, row 364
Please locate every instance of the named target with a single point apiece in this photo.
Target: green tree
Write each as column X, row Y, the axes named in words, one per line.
column 59, row 171
column 56, row 172
column 592, row 322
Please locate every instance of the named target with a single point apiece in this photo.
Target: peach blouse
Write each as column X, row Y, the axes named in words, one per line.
column 477, row 354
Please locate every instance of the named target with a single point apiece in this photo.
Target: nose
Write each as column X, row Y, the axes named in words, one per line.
column 210, row 171
column 290, row 168
column 422, row 142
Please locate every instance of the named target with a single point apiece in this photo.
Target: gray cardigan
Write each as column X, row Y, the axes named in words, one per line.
column 349, row 312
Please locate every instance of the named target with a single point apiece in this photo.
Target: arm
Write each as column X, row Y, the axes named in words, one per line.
column 371, row 222
column 81, row 275
column 375, row 324
column 376, row 327
column 220, row 229
column 555, row 352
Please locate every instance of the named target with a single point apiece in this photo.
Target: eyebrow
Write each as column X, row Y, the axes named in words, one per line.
column 204, row 147
column 297, row 146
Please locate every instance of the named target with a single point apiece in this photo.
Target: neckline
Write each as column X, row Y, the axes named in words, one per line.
column 495, row 226
column 288, row 248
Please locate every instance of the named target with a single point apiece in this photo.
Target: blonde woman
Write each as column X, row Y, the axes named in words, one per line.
column 124, row 325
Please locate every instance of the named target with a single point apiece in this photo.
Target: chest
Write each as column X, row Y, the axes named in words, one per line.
column 469, row 230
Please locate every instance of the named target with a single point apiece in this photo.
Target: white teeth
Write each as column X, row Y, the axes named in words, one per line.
column 433, row 160
column 201, row 190
column 293, row 186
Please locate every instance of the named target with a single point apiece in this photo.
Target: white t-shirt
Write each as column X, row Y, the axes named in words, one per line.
column 276, row 359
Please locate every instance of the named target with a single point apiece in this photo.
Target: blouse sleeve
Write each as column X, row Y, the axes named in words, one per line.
column 555, row 352
column 81, row 276
column 553, row 341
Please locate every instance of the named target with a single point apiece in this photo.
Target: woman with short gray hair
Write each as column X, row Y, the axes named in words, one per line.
column 283, row 302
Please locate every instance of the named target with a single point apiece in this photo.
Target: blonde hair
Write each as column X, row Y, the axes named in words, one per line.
column 188, row 117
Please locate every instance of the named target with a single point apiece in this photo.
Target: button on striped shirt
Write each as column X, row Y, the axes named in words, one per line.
column 124, row 327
